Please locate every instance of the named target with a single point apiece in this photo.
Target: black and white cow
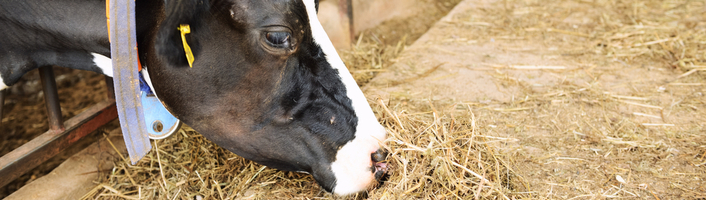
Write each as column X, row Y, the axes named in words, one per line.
column 266, row 83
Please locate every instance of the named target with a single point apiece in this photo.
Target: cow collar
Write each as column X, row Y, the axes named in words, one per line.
column 146, row 85
column 158, row 122
column 183, row 28
column 107, row 22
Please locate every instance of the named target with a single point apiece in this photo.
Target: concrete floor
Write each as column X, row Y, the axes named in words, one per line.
column 78, row 174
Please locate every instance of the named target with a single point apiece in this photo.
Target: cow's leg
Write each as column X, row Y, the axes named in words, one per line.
column 73, row 59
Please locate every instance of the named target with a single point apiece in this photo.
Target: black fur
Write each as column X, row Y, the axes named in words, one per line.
column 35, row 34
column 169, row 44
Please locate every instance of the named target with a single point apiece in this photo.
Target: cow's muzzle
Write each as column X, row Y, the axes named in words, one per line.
column 379, row 163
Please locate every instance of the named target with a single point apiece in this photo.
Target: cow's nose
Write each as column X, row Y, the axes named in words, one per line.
column 379, row 155
column 379, row 163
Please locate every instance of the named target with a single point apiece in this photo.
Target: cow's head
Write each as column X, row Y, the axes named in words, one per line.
column 268, row 85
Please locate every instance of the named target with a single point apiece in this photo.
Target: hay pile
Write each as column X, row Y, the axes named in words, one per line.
column 187, row 166
column 433, row 156
column 442, row 149
column 369, row 58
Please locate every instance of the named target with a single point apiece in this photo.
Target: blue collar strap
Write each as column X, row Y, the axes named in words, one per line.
column 142, row 116
column 123, row 53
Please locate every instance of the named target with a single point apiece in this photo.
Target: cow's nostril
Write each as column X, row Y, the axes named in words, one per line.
column 379, row 163
column 379, row 155
column 380, row 170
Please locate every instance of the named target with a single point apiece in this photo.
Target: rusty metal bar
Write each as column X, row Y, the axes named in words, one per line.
column 50, row 143
column 51, row 98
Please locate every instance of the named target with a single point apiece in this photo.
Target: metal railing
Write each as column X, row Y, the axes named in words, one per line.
column 61, row 134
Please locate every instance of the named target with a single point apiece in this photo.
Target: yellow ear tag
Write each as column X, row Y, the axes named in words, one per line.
column 185, row 29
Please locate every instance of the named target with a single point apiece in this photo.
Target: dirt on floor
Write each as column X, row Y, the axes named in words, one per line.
column 577, row 99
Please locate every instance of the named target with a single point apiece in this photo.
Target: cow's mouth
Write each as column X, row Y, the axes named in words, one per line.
column 380, row 170
column 379, row 163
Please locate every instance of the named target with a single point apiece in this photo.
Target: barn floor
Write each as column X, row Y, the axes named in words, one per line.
column 500, row 100
column 74, row 177
column 578, row 100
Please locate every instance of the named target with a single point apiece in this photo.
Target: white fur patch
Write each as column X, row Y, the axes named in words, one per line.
column 104, row 63
column 352, row 166
column 2, row 84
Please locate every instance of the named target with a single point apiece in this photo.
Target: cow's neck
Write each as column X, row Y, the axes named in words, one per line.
column 61, row 32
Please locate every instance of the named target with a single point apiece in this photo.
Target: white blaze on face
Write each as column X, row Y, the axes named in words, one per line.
column 104, row 63
column 352, row 166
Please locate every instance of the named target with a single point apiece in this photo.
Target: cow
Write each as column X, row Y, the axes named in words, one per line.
column 266, row 82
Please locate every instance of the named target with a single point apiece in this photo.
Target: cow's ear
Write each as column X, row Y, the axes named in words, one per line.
column 169, row 44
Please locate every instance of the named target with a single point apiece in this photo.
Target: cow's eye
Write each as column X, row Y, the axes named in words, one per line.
column 278, row 39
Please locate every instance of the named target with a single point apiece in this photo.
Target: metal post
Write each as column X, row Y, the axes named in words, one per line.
column 51, row 98
column 111, row 87
column 2, row 103
column 47, row 145
column 347, row 6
